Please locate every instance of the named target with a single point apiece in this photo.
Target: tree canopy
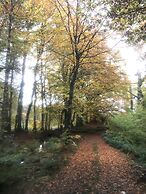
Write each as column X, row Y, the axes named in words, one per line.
column 75, row 73
column 129, row 17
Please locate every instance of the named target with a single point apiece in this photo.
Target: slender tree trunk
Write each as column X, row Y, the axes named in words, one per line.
column 139, row 89
column 20, row 98
column 28, row 111
column 131, row 99
column 31, row 102
column 59, row 121
column 46, row 106
column 42, row 100
column 5, row 114
column 73, row 118
column 11, row 95
column 62, row 119
column 46, row 114
column 34, row 112
column 49, row 115
column 46, row 119
column 42, row 118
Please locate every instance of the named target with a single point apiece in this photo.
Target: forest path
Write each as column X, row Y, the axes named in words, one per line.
column 96, row 168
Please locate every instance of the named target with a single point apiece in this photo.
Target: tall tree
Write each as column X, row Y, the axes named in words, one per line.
column 5, row 107
column 9, row 9
column 13, row 23
column 83, row 43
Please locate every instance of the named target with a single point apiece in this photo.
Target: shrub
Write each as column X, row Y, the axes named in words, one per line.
column 127, row 131
column 11, row 174
column 51, row 164
column 66, row 138
column 11, row 170
column 24, row 162
column 31, row 146
column 54, row 144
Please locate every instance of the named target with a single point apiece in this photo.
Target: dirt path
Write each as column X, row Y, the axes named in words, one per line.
column 96, row 168
column 117, row 173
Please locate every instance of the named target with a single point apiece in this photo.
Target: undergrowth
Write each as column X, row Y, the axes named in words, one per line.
column 127, row 131
column 31, row 161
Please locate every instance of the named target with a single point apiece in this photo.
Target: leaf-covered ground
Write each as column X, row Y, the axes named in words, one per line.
column 118, row 173
column 95, row 168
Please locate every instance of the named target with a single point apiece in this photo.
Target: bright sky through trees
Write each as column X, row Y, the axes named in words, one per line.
column 133, row 62
column 132, row 56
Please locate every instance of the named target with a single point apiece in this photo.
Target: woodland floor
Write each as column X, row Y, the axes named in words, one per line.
column 95, row 168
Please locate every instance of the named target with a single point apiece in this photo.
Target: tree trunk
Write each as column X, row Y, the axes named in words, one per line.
column 46, row 114
column 62, row 119
column 28, row 111
column 11, row 95
column 42, row 118
column 68, row 107
column 31, row 102
column 46, row 120
column 46, row 106
column 34, row 113
column 20, row 99
column 49, row 116
column 131, row 99
column 139, row 89
column 39, row 53
column 5, row 114
column 69, row 103
column 42, row 100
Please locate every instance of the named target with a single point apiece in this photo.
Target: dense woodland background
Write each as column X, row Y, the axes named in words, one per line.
column 76, row 75
column 78, row 79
